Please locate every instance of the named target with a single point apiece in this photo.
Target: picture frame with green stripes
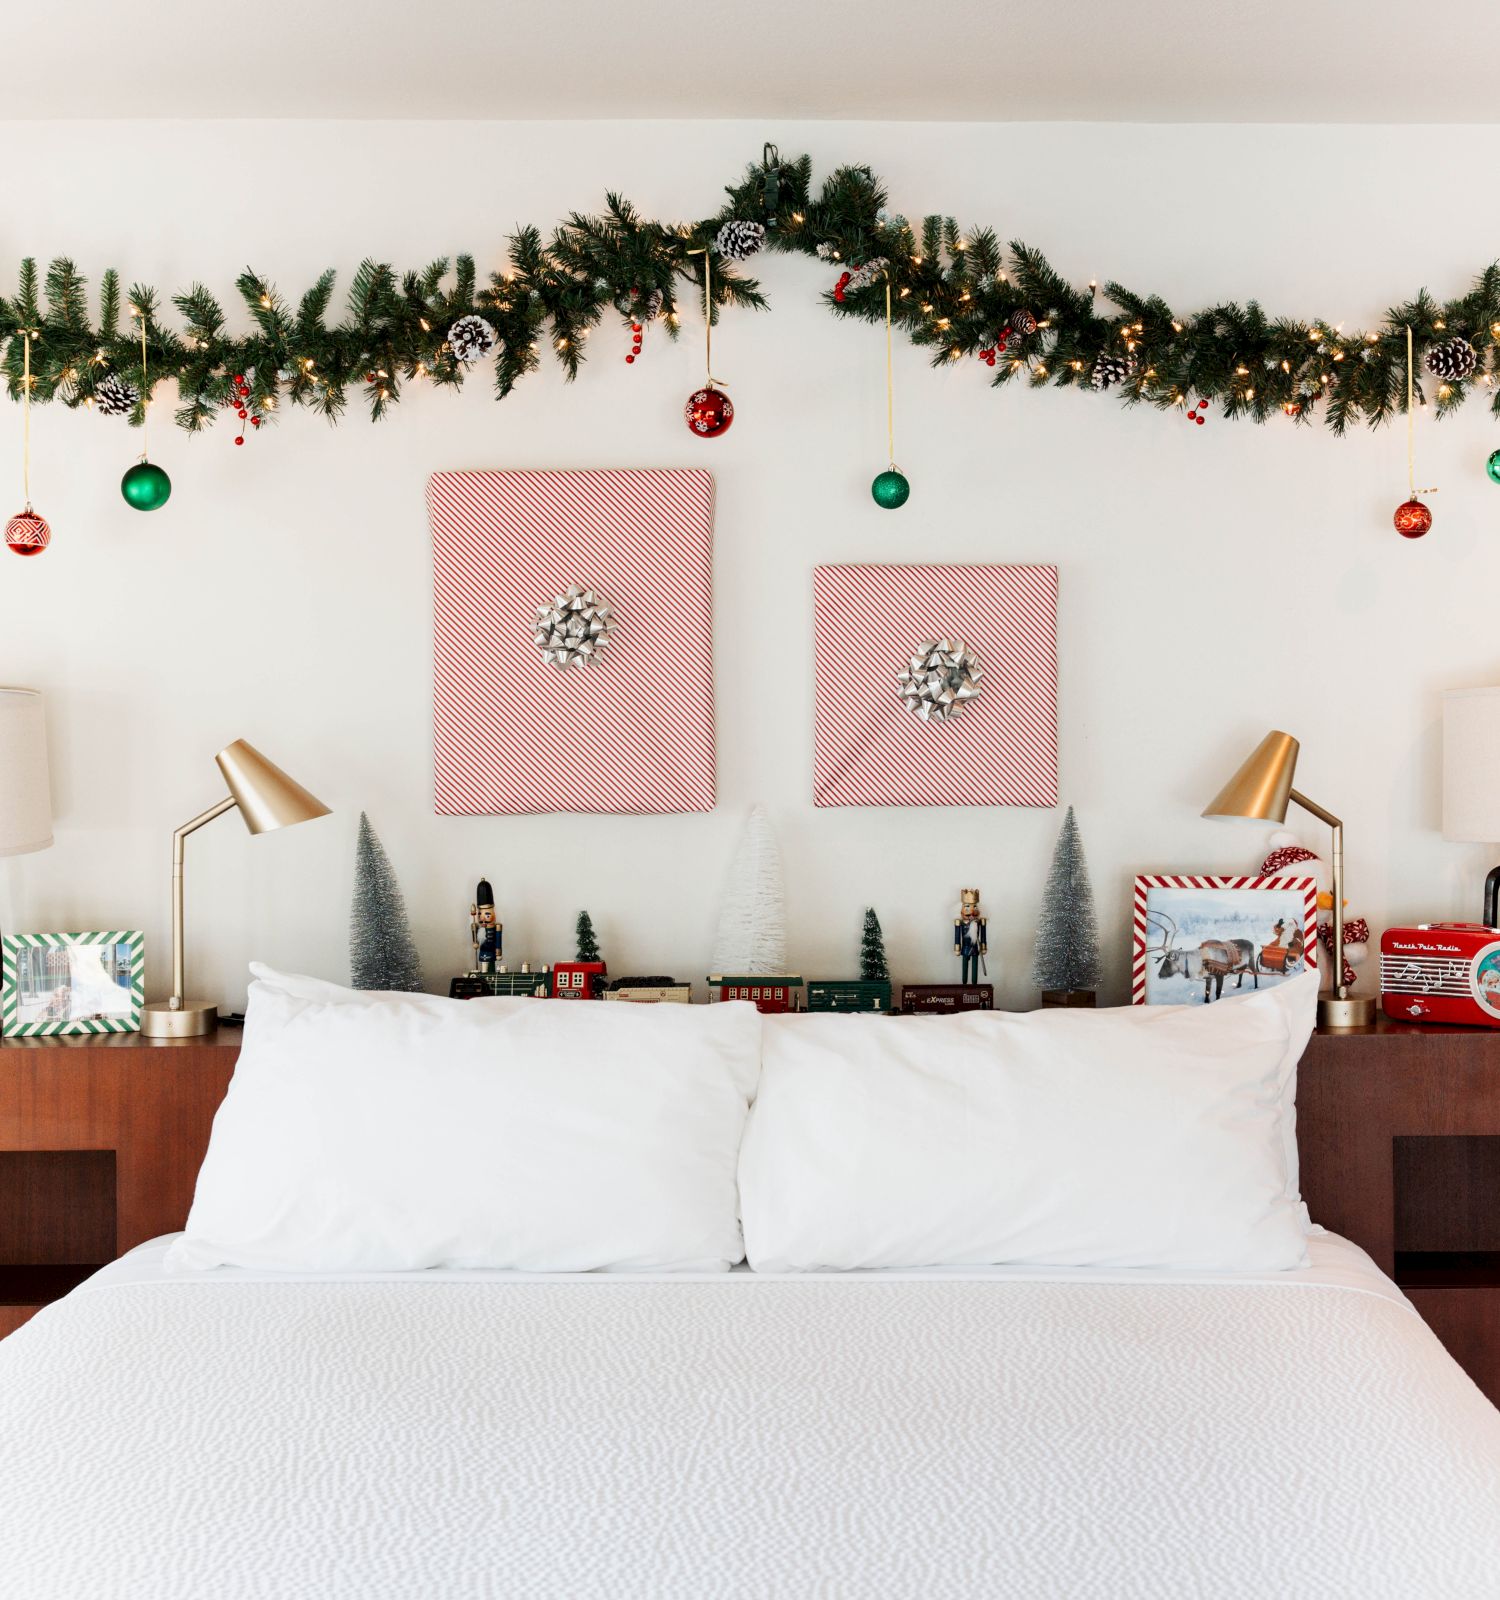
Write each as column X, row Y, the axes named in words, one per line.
column 71, row 983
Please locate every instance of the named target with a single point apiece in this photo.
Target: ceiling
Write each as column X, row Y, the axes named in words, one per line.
column 984, row 60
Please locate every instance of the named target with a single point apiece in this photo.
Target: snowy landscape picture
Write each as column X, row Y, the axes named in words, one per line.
column 1198, row 940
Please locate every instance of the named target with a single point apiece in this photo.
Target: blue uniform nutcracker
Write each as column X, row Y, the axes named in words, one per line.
column 485, row 933
column 970, row 938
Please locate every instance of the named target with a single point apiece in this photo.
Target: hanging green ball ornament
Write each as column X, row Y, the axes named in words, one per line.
column 891, row 490
column 1492, row 466
column 146, row 487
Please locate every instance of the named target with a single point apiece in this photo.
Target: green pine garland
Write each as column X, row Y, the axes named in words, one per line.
column 954, row 293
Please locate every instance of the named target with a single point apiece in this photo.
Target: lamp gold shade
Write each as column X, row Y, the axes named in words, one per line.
column 1262, row 787
column 267, row 797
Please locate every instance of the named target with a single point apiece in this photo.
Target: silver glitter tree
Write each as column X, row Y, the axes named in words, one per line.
column 1067, row 935
column 382, row 954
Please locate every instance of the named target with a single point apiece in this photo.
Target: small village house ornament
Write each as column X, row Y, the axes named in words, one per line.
column 939, row 678
column 572, row 629
column 971, row 936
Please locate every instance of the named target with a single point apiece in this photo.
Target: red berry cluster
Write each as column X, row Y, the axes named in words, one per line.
column 840, row 286
column 1195, row 413
column 240, row 399
column 990, row 352
column 635, row 343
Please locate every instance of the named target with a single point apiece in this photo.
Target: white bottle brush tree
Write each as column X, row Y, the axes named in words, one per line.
column 1067, row 935
column 382, row 953
column 752, row 922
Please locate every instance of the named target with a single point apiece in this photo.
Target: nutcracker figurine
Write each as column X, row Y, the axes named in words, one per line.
column 970, row 936
column 485, row 933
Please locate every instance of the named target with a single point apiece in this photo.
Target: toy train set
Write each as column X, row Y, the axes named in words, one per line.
column 772, row 993
column 587, row 976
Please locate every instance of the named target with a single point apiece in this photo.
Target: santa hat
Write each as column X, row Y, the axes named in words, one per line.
column 1287, row 853
column 1284, row 856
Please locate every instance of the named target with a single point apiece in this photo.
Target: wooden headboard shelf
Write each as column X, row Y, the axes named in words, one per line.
column 100, row 1144
column 1399, row 1127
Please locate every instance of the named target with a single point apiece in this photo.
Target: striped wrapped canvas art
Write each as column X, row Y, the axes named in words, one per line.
column 572, row 641
column 935, row 686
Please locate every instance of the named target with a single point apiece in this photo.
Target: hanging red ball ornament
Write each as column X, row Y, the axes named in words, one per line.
column 709, row 412
column 1413, row 519
column 27, row 534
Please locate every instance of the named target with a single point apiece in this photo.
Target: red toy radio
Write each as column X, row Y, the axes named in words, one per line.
column 1441, row 972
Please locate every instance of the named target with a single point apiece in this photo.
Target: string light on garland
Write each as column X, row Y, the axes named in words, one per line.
column 1412, row 518
column 709, row 411
column 890, row 490
column 27, row 533
column 146, row 486
column 559, row 282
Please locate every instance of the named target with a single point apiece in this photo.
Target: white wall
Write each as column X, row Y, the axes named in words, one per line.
column 1216, row 581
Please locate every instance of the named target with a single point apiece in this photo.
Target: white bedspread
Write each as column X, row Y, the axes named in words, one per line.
column 884, row 1436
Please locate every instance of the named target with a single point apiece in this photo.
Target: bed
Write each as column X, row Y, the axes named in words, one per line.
column 881, row 1435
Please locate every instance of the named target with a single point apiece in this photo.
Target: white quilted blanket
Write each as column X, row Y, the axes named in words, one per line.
column 880, row 1437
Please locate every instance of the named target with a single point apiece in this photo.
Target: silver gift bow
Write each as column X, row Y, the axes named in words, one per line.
column 572, row 629
column 939, row 679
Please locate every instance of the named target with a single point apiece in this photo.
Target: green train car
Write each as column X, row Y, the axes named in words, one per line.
column 849, row 994
column 476, row 985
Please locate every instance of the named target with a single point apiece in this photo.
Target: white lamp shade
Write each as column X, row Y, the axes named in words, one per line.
column 1471, row 765
column 25, row 790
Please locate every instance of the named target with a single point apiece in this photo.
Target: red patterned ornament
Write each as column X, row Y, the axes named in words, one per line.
column 27, row 534
column 1413, row 519
column 709, row 412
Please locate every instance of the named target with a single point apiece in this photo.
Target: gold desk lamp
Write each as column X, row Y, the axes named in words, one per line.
column 267, row 799
column 1260, row 790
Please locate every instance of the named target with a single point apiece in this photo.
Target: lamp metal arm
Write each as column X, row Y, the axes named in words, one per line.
column 1338, row 986
column 179, row 837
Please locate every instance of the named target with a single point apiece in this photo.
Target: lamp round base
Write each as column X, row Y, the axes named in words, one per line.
column 161, row 1020
column 1350, row 1011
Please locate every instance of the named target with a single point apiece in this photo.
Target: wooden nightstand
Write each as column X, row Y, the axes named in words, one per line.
column 1399, row 1128
column 100, row 1142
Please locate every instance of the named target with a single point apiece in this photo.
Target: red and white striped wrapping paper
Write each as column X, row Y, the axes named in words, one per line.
column 869, row 750
column 513, row 734
column 1307, row 887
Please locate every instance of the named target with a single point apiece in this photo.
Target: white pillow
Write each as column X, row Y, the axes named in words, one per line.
column 1140, row 1137
column 408, row 1131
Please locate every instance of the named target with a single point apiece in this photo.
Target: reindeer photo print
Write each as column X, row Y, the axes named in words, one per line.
column 1198, row 940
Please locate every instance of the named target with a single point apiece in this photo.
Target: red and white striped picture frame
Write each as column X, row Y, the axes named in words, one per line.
column 512, row 732
column 1251, row 919
column 870, row 750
